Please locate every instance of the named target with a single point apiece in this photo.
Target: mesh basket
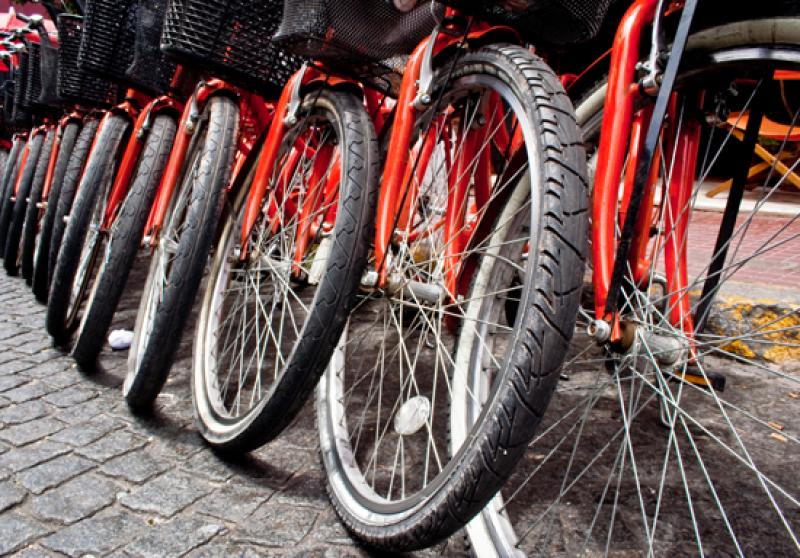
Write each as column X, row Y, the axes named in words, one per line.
column 20, row 114
column 108, row 38
column 150, row 69
column 231, row 39
column 73, row 83
column 354, row 31
column 557, row 22
column 48, row 64
column 33, row 83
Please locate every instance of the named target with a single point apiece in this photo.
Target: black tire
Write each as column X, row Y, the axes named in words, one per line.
column 175, row 272
column 41, row 271
column 78, row 257
column 9, row 178
column 125, row 239
column 389, row 397
column 33, row 211
column 69, row 187
column 11, row 251
column 329, row 119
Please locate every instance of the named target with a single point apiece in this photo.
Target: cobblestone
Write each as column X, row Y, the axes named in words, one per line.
column 81, row 476
column 76, row 499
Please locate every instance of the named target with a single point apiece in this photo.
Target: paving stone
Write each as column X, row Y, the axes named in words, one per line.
column 55, row 365
column 84, row 411
column 207, row 464
column 95, row 535
column 10, row 382
column 228, row 549
column 76, row 499
column 31, row 431
column 232, row 502
column 33, row 454
column 136, row 466
column 10, row 495
column 52, row 473
column 70, row 396
column 4, row 402
column 276, row 525
column 167, row 494
column 111, row 445
column 35, row 347
column 17, row 531
column 84, row 433
column 16, row 414
column 15, row 366
column 174, row 538
column 31, row 390
column 34, row 552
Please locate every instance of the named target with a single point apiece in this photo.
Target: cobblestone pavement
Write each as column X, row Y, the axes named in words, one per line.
column 80, row 475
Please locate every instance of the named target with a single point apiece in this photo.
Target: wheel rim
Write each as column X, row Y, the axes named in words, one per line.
column 160, row 265
column 632, row 457
column 386, row 396
column 255, row 309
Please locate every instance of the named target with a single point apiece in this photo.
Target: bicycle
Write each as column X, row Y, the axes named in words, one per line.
column 121, row 156
column 662, row 437
column 219, row 135
column 451, row 114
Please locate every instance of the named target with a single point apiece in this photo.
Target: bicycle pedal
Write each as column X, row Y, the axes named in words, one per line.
column 704, row 379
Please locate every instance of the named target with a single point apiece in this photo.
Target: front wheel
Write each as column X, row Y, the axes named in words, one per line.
column 269, row 323
column 184, row 242
column 84, row 238
column 125, row 238
column 483, row 284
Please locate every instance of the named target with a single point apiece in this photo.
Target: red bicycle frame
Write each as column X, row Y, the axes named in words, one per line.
column 621, row 137
column 394, row 202
column 254, row 115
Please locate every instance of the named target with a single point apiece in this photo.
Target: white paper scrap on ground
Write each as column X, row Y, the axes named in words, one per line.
column 120, row 339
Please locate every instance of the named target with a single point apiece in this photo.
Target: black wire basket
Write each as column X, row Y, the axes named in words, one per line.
column 554, row 22
column 48, row 69
column 109, row 34
column 33, row 83
column 20, row 115
column 150, row 70
column 231, row 39
column 74, row 84
column 355, row 33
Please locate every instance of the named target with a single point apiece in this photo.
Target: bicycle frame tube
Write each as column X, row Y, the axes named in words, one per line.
column 254, row 115
column 133, row 151
column 617, row 123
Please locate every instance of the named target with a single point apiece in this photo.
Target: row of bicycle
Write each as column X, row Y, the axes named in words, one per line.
column 388, row 201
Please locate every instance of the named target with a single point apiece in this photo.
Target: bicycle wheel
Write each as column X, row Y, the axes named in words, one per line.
column 84, row 239
column 637, row 454
column 503, row 134
column 125, row 237
column 12, row 167
column 33, row 209
column 185, row 240
column 268, row 325
column 41, row 270
column 17, row 213
column 69, row 187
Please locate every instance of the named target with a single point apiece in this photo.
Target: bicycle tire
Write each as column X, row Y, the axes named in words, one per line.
column 708, row 503
column 326, row 119
column 82, row 240
column 371, row 421
column 189, row 229
column 14, row 233
column 41, row 271
column 32, row 211
column 123, row 245
column 76, row 164
column 9, row 178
